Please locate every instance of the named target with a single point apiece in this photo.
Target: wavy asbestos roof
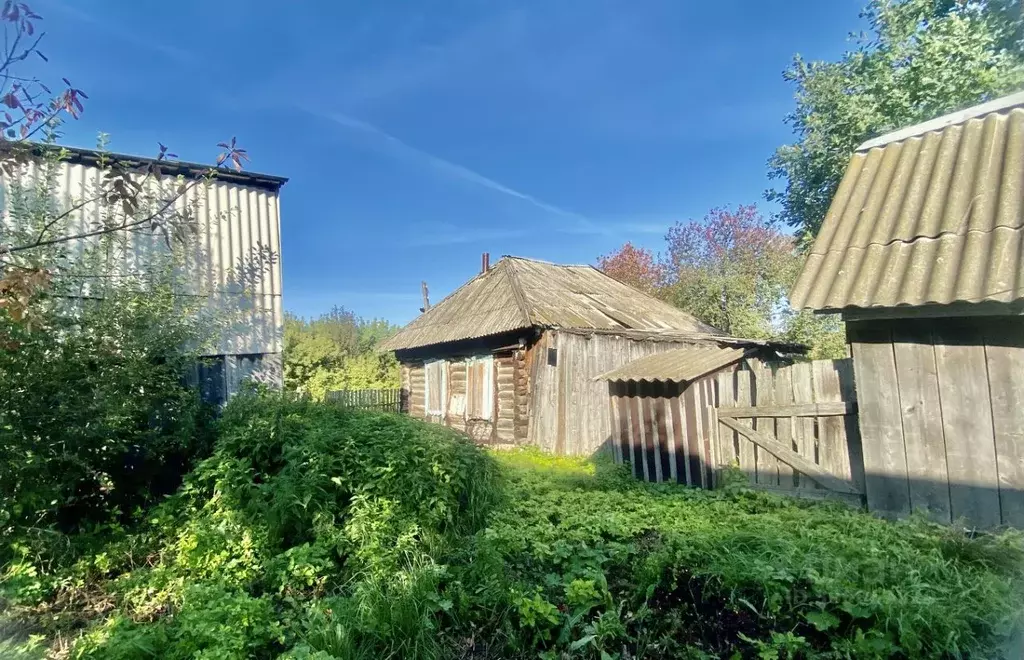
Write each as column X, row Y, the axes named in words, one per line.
column 522, row 293
column 678, row 365
column 930, row 214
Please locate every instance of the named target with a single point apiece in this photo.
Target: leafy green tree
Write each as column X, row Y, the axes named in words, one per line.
column 337, row 351
column 731, row 270
column 825, row 334
column 920, row 59
column 100, row 324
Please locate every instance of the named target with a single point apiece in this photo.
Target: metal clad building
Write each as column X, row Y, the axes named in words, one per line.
column 235, row 215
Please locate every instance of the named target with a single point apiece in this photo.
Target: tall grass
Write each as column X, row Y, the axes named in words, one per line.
column 314, row 532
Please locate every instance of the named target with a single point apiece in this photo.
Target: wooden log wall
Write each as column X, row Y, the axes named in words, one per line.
column 521, row 362
column 455, row 415
column 415, row 385
column 942, row 417
column 504, row 397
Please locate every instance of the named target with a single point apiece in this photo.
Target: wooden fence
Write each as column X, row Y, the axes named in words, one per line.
column 383, row 400
column 791, row 428
column 935, row 424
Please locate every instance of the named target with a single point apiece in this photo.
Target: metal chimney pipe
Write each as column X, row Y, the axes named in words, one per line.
column 485, row 262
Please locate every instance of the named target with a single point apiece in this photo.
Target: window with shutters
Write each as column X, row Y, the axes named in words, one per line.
column 435, row 387
column 480, row 387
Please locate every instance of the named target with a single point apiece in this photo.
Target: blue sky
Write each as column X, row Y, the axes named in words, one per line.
column 419, row 134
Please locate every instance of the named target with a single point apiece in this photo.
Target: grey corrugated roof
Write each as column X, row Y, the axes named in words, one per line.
column 522, row 293
column 926, row 216
column 678, row 365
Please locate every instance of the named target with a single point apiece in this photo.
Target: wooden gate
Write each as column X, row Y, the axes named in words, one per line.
column 791, row 428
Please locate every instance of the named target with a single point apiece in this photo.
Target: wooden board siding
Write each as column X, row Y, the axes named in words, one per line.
column 880, row 418
column 570, row 409
column 1006, row 375
column 942, row 417
column 922, row 428
column 662, row 430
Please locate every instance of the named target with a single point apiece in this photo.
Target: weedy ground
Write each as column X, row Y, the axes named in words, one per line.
column 313, row 532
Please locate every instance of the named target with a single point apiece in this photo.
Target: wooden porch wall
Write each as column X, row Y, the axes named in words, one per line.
column 663, row 429
column 942, row 417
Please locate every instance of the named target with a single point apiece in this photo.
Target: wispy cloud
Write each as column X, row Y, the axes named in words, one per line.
column 400, row 149
column 434, row 234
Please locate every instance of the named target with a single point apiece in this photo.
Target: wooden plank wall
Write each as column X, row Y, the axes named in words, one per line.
column 380, row 400
column 570, row 409
column 662, row 430
column 942, row 417
column 830, row 442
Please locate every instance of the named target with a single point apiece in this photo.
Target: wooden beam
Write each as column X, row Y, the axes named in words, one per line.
column 792, row 410
column 784, row 453
column 819, row 494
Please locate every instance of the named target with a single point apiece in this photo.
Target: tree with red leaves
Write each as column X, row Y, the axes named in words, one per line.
column 634, row 266
column 732, row 270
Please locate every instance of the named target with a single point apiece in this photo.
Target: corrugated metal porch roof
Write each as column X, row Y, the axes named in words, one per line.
column 678, row 365
column 930, row 214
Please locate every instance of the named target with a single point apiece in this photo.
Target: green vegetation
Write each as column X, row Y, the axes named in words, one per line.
column 315, row 532
column 337, row 351
column 732, row 270
column 920, row 59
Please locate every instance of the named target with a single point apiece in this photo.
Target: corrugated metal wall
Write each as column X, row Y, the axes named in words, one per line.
column 232, row 221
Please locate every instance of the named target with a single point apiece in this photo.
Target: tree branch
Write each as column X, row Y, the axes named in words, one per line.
column 127, row 224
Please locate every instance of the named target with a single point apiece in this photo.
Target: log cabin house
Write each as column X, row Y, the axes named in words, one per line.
column 512, row 356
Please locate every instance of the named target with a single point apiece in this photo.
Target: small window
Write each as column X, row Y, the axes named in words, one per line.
column 552, row 357
column 435, row 392
column 480, row 387
column 211, row 376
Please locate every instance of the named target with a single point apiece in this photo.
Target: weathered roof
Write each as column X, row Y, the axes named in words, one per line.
column 522, row 293
column 679, row 364
column 930, row 214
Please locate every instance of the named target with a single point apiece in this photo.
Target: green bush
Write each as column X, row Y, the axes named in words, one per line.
column 316, row 533
column 96, row 419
